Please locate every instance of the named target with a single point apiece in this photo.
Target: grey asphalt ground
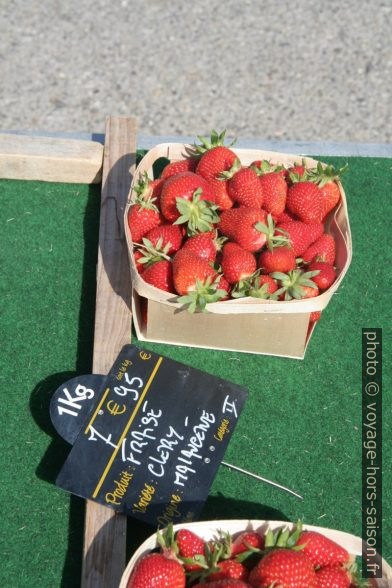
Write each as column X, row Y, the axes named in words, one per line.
column 284, row 69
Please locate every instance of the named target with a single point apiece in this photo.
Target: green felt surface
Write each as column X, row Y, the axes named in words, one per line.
column 301, row 425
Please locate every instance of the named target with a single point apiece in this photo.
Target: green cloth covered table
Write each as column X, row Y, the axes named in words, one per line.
column 301, row 425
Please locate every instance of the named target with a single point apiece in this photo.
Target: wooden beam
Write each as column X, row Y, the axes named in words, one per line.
column 105, row 531
column 50, row 159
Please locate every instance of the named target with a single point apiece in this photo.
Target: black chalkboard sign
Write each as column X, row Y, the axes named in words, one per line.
column 152, row 439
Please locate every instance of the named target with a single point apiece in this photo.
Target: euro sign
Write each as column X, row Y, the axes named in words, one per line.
column 115, row 409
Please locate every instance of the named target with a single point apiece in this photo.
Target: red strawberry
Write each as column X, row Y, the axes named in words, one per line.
column 333, row 577
column 326, row 177
column 304, row 199
column 204, row 245
column 323, row 248
column 182, row 186
column 274, row 190
column 237, row 263
column 327, row 274
column 160, row 275
column 169, row 234
column 138, row 254
column 285, row 217
column 187, row 268
column 147, row 189
column 223, row 584
column 189, row 544
column 330, row 193
column 224, row 285
column 143, row 216
column 156, row 570
column 296, row 284
column 297, row 171
column 177, row 167
column 256, row 286
column 280, row 259
column 321, row 550
column 250, row 538
column 315, row 316
column 240, row 225
column 228, row 569
column 244, row 187
column 215, row 159
column 286, row 567
column 301, row 235
column 263, row 166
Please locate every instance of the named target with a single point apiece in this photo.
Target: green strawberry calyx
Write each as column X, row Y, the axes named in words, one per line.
column 253, row 287
column 150, row 253
column 228, row 174
column 203, row 294
column 267, row 167
column 216, row 140
column 142, row 188
column 292, row 282
column 281, row 239
column 199, row 215
column 322, row 175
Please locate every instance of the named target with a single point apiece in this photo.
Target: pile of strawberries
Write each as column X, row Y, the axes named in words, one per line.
column 211, row 228
column 280, row 559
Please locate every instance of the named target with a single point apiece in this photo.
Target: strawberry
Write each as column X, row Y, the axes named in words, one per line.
column 285, row 217
column 237, row 263
column 157, row 570
column 263, row 166
column 189, row 545
column 327, row 274
column 143, row 216
column 187, row 268
column 160, row 275
column 245, row 226
column 251, row 539
column 280, row 259
column 300, row 234
column 296, row 284
column 321, row 550
column 177, row 167
column 149, row 189
column 215, row 159
column 256, row 286
column 244, row 186
column 304, row 199
column 182, row 187
column 222, row 584
column 146, row 254
column 274, row 189
column 228, row 569
column 333, row 577
column 315, row 316
column 285, row 568
column 330, row 195
column 137, row 255
column 322, row 249
column 297, row 171
column 167, row 234
column 326, row 177
column 204, row 245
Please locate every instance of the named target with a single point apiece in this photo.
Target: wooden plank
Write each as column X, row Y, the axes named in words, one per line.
column 105, row 531
column 50, row 159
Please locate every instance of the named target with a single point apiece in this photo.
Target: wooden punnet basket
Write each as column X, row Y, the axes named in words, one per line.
column 246, row 324
column 207, row 530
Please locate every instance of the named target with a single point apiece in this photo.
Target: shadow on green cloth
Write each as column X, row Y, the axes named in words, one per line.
column 57, row 452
